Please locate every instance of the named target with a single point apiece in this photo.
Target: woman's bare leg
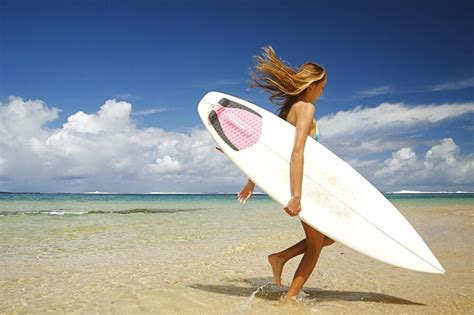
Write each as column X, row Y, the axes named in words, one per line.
column 278, row 260
column 314, row 244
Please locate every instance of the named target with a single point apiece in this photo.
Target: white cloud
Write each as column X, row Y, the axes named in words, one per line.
column 442, row 165
column 404, row 160
column 150, row 111
column 165, row 164
column 388, row 126
column 388, row 116
column 388, row 89
column 105, row 151
column 400, row 129
column 443, row 153
column 381, row 90
column 113, row 116
column 25, row 119
column 457, row 85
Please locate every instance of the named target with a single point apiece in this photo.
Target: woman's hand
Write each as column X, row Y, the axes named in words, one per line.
column 246, row 192
column 293, row 207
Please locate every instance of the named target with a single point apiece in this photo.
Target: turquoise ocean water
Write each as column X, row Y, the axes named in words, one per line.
column 90, row 203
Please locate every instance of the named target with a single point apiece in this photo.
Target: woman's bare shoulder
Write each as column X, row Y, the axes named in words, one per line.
column 302, row 107
column 298, row 110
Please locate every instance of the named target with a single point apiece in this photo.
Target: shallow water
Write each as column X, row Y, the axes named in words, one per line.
column 207, row 253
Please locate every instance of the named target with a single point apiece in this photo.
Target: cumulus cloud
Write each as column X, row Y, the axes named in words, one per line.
column 442, row 163
column 104, row 151
column 22, row 120
column 400, row 129
column 441, row 166
column 113, row 116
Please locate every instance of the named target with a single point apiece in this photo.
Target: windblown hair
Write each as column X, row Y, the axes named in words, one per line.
column 284, row 83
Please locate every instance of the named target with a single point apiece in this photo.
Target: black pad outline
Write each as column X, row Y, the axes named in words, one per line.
column 228, row 103
column 217, row 126
column 213, row 118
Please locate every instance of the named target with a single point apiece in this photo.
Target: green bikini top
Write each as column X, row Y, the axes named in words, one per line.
column 316, row 135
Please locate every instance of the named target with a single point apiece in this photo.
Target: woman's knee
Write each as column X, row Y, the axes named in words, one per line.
column 314, row 244
column 314, row 239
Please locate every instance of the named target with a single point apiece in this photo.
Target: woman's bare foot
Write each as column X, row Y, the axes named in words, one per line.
column 285, row 299
column 277, row 267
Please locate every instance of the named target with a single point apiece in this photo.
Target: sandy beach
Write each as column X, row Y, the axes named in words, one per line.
column 193, row 261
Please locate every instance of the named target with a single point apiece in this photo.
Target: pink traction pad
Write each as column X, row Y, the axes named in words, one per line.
column 239, row 126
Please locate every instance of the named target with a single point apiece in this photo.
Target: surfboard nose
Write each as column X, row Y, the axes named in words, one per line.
column 437, row 268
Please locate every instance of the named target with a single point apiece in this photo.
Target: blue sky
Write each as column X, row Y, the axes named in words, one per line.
column 161, row 57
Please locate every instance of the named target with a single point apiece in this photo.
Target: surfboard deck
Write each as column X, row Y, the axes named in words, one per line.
column 336, row 199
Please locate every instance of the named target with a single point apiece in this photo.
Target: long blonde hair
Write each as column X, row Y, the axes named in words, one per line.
column 284, row 83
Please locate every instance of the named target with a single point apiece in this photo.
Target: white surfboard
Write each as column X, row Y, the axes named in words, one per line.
column 336, row 199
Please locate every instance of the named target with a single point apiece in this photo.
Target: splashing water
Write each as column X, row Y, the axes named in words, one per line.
column 252, row 296
column 302, row 296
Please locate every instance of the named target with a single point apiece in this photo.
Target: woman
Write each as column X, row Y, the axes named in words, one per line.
column 295, row 91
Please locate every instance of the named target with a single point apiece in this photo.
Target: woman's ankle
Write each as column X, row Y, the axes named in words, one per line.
column 285, row 298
